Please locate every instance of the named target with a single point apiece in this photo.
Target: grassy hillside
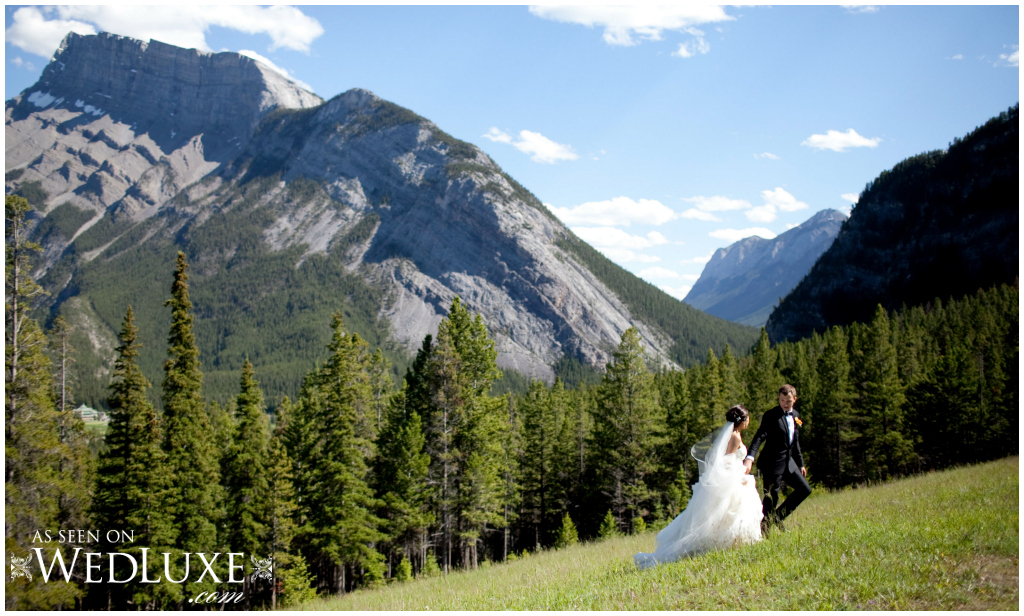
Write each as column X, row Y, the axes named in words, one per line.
column 945, row 541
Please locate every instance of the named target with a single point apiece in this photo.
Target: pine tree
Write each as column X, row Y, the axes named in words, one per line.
column 832, row 432
column 245, row 473
column 338, row 527
column 567, row 535
column 881, row 397
column 609, row 526
column 763, row 380
column 133, row 484
column 542, row 413
column 281, row 507
column 190, row 453
column 628, row 428
column 400, row 480
column 33, row 450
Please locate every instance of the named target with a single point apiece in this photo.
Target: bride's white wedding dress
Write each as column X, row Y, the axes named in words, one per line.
column 724, row 511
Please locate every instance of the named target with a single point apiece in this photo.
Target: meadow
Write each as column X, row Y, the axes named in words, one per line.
column 945, row 540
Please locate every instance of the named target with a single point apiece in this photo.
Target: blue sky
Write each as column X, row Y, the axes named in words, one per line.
column 656, row 134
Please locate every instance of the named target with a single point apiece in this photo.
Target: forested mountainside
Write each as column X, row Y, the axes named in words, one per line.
column 941, row 224
column 744, row 281
column 290, row 208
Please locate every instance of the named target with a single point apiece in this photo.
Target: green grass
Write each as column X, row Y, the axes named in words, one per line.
column 946, row 541
column 98, row 428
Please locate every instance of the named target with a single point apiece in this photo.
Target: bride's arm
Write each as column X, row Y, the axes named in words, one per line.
column 734, row 443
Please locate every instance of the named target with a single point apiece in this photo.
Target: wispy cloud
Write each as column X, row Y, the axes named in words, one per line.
column 620, row 246
column 840, row 142
column 851, row 197
column 540, row 148
column 17, row 61
column 676, row 292
column 695, row 214
column 698, row 260
column 860, row 8
column 40, row 31
column 767, row 155
column 958, row 56
column 277, row 69
column 630, row 25
column 734, row 235
column 616, row 212
column 1011, row 59
column 658, row 272
column 717, row 203
column 774, row 200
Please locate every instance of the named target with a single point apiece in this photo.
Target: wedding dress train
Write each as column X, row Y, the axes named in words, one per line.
column 724, row 511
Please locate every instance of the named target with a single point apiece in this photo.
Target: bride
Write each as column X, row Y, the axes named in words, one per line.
column 725, row 509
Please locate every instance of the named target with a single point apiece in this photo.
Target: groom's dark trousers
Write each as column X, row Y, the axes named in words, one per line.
column 780, row 462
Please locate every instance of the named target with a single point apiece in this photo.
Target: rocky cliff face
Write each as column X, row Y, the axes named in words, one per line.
column 937, row 225
column 744, row 281
column 119, row 123
column 284, row 204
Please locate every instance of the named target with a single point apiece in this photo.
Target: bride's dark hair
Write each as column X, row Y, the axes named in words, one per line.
column 737, row 414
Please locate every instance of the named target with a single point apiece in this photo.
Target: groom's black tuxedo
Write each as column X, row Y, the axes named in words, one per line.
column 779, row 455
column 780, row 462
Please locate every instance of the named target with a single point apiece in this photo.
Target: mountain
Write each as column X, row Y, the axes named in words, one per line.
column 290, row 208
column 938, row 225
column 744, row 281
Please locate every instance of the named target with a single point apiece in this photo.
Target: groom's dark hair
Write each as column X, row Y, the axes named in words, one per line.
column 787, row 389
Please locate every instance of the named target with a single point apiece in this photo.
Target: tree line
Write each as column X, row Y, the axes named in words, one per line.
column 360, row 481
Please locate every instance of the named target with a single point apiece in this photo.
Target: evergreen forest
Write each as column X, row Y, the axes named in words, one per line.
column 363, row 479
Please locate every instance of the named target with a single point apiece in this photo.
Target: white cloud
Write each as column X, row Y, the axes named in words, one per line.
column 840, row 142
column 696, row 214
column 616, row 212
column 762, row 213
column 692, row 277
column 691, row 48
column 1012, row 59
column 958, row 56
column 767, row 155
column 17, row 61
column 33, row 33
column 735, row 235
column 183, row 25
column 676, row 292
column 658, row 272
column 277, row 69
column 610, row 237
column 846, row 210
column 860, row 8
column 698, row 260
column 717, row 203
column 851, row 197
column 783, row 200
column 540, row 148
column 628, row 25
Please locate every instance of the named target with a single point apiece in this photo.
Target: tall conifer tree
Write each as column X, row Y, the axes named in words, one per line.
column 190, row 451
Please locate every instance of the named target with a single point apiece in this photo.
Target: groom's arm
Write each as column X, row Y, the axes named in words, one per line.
column 755, row 444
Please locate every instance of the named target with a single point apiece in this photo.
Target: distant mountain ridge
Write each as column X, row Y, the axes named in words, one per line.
column 744, row 281
column 290, row 208
column 938, row 225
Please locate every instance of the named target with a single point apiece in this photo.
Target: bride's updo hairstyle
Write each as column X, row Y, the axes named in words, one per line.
column 737, row 414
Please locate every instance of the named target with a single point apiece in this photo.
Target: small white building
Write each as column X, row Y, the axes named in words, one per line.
column 91, row 414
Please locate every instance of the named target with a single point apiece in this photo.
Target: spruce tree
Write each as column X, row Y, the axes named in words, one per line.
column 190, row 451
column 245, row 473
column 763, row 380
column 833, row 430
column 628, row 428
column 338, row 527
column 400, row 481
column 133, row 487
column 281, row 506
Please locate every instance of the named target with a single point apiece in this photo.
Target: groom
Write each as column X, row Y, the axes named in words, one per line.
column 781, row 462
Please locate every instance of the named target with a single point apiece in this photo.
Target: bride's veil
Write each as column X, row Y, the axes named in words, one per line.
column 710, row 454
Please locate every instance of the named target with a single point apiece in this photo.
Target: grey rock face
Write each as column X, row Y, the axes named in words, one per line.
column 744, row 281
column 117, row 122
